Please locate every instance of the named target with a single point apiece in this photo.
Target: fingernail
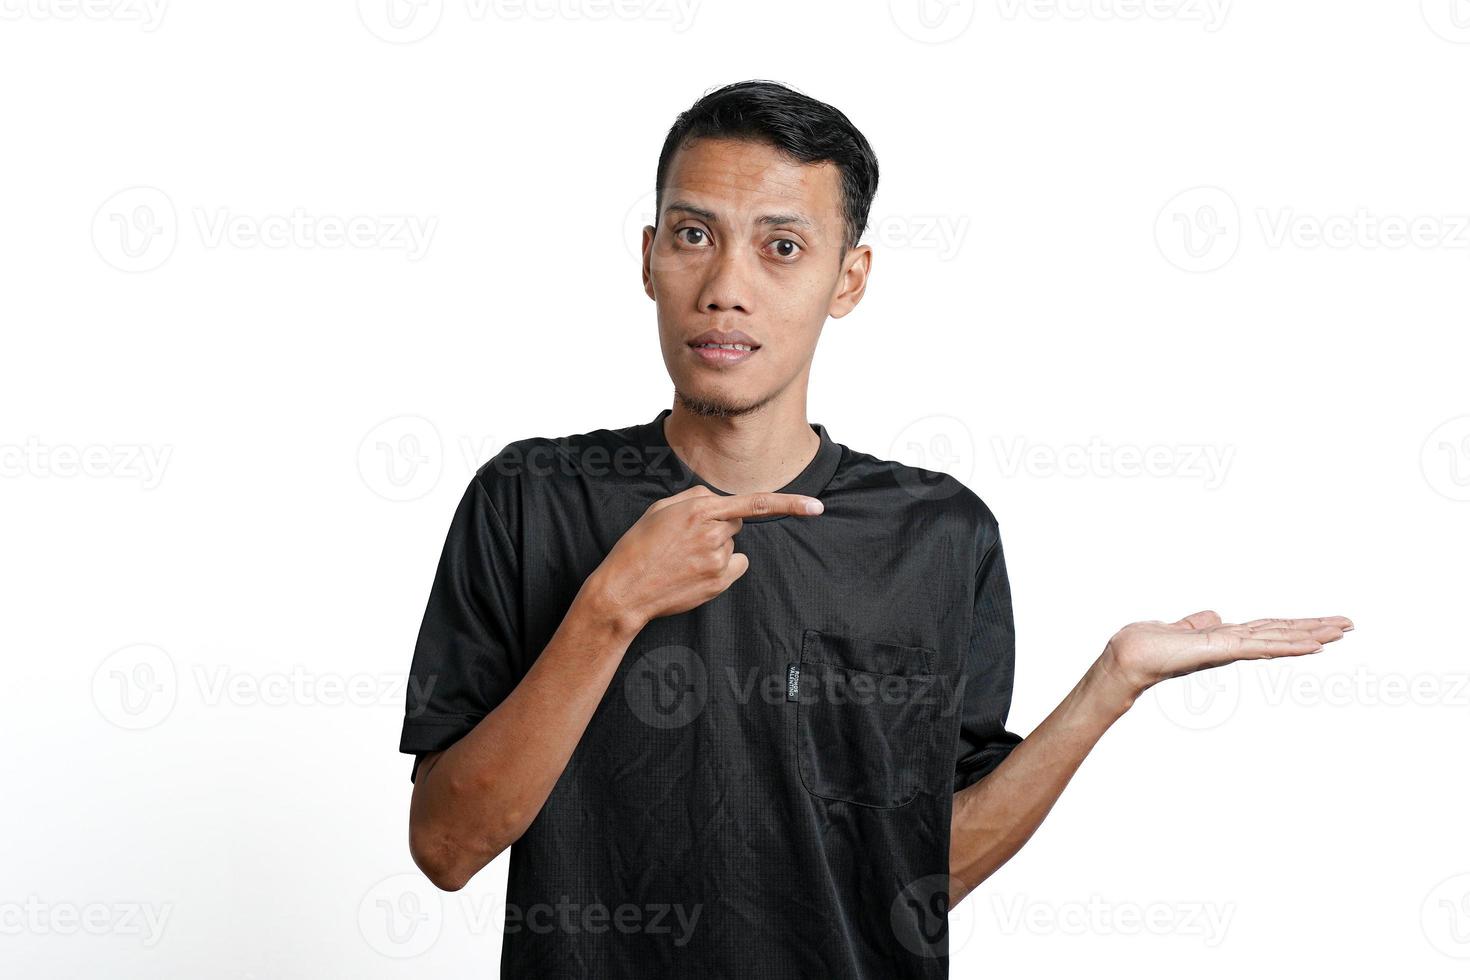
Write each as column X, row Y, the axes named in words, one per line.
column 814, row 506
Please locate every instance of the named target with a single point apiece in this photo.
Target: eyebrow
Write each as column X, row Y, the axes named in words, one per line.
column 766, row 219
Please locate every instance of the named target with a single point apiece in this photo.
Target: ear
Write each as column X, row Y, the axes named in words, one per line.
column 852, row 280
column 649, row 232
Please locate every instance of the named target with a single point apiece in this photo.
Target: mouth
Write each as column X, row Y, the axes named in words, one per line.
column 715, row 352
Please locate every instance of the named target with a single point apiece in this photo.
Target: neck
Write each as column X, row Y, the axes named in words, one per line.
column 760, row 450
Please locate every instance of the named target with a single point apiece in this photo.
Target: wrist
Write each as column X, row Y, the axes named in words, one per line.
column 602, row 605
column 1112, row 684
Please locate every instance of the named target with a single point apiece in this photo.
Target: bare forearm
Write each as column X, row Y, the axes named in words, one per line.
column 995, row 817
column 481, row 794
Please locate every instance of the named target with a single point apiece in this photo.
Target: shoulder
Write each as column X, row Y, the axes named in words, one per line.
column 934, row 492
column 916, row 495
column 539, row 464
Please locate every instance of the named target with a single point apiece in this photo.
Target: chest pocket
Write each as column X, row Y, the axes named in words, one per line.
column 864, row 717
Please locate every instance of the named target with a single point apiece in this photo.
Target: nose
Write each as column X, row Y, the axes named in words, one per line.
column 727, row 286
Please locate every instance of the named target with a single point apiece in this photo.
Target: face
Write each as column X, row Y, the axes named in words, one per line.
column 748, row 250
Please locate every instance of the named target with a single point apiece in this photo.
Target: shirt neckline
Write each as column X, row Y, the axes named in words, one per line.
column 679, row 476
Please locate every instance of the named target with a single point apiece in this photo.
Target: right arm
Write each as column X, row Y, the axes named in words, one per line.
column 474, row 799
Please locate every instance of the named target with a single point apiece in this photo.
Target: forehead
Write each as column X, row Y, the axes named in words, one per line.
column 740, row 180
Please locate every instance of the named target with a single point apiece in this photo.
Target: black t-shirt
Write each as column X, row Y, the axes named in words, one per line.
column 765, row 789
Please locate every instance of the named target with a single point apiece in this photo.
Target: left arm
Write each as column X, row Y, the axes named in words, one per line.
column 996, row 816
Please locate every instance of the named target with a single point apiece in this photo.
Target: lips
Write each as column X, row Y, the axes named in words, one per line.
column 724, row 348
column 725, row 338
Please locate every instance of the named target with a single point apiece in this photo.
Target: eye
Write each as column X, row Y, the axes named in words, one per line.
column 690, row 230
column 791, row 252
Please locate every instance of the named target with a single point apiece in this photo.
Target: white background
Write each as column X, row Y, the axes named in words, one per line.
column 1231, row 237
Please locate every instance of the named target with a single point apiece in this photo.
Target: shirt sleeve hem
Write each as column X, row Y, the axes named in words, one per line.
column 430, row 733
column 985, row 763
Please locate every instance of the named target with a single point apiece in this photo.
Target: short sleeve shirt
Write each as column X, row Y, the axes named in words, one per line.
column 764, row 792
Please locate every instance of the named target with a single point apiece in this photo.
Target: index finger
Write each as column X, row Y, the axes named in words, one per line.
column 1341, row 622
column 761, row 505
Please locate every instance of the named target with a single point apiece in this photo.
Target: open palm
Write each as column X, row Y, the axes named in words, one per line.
column 1147, row 652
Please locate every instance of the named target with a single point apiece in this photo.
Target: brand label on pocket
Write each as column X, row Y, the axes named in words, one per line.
column 793, row 681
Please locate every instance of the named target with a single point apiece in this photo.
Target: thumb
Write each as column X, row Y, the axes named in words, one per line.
column 1199, row 620
column 736, row 567
column 688, row 493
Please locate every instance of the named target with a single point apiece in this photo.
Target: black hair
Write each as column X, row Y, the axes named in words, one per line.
column 807, row 130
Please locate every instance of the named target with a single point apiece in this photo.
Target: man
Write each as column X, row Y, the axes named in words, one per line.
column 735, row 692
